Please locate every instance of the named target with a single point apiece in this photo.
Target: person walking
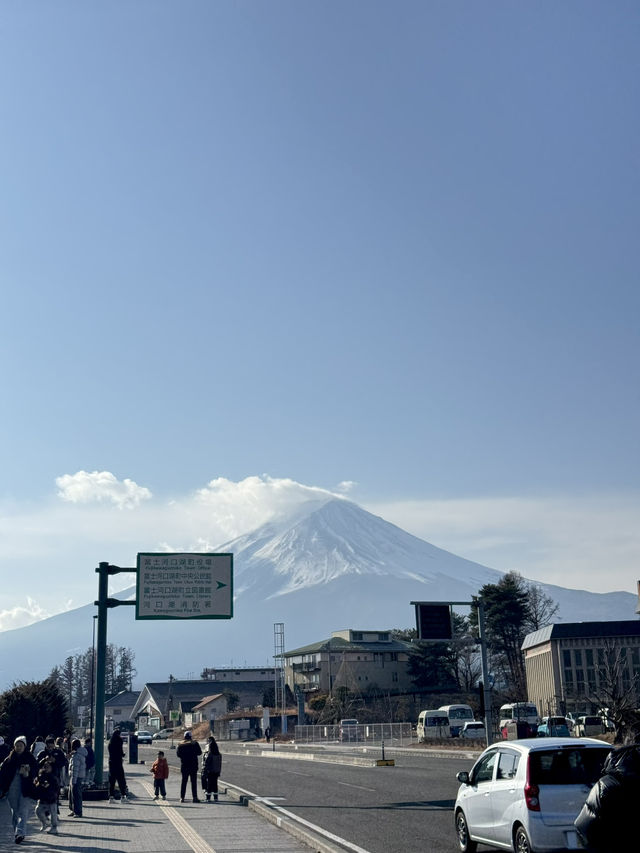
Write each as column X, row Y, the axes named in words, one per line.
column 91, row 762
column 116, row 769
column 17, row 774
column 188, row 751
column 77, row 775
column 211, row 769
column 160, row 770
column 47, row 788
column 603, row 823
column 59, row 763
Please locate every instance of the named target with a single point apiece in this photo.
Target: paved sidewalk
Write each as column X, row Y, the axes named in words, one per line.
column 144, row 825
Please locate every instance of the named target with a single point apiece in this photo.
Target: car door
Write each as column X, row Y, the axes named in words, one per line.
column 476, row 797
column 506, row 793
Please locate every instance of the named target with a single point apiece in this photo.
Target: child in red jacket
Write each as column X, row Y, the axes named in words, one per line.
column 160, row 770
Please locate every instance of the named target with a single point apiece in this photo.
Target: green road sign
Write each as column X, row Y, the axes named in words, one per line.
column 184, row 586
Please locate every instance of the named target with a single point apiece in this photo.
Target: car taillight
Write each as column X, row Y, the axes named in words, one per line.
column 531, row 792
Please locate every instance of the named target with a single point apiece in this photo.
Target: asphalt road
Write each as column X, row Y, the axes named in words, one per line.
column 406, row 808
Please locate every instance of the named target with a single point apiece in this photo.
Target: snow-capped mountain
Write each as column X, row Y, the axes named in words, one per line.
column 327, row 566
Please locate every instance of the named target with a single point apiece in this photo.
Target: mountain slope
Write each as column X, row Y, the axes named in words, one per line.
column 329, row 565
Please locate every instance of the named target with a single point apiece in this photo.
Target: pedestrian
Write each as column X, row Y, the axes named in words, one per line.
column 47, row 788
column 603, row 824
column 4, row 749
column 267, row 734
column 17, row 774
column 188, row 751
column 77, row 775
column 60, row 765
column 37, row 746
column 91, row 762
column 211, row 768
column 160, row 770
column 116, row 770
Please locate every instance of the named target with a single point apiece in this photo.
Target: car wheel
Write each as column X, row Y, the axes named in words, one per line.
column 521, row 843
column 462, row 830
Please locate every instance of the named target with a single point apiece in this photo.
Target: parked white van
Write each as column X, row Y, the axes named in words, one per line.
column 431, row 725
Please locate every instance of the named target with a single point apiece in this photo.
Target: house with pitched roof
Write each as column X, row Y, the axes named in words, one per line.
column 356, row 659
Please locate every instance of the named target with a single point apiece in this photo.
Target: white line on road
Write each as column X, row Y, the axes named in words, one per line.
column 362, row 788
column 294, row 817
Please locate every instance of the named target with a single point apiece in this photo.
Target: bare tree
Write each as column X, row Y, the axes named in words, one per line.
column 617, row 688
column 541, row 608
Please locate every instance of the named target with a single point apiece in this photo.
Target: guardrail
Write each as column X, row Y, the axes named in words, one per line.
column 392, row 734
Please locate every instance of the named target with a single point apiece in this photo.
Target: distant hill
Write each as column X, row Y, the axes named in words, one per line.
column 329, row 565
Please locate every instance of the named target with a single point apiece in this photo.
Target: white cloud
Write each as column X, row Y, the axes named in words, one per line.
column 50, row 551
column 100, row 487
column 346, row 486
column 21, row 615
column 583, row 542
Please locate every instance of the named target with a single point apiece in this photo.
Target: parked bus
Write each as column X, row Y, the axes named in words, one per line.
column 458, row 716
column 431, row 725
column 523, row 714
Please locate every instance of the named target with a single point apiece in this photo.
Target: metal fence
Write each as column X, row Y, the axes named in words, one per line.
column 366, row 734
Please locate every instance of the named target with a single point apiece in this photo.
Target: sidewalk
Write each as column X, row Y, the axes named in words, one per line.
column 144, row 825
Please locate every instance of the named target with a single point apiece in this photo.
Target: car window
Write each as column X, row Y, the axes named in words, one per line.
column 566, row 766
column 483, row 771
column 507, row 764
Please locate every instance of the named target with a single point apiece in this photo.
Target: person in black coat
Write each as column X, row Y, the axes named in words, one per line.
column 17, row 774
column 116, row 769
column 211, row 769
column 188, row 751
column 606, row 822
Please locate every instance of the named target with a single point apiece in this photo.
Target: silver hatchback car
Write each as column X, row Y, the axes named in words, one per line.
column 523, row 795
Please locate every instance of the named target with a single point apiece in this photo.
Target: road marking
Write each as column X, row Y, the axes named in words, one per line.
column 297, row 773
column 195, row 842
column 362, row 788
column 314, row 826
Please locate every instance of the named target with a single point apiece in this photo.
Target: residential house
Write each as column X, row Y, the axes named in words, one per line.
column 118, row 710
column 358, row 660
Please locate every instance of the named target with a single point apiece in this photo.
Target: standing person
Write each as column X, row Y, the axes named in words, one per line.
column 188, row 751
column 47, row 788
column 91, row 761
column 17, row 774
column 211, row 769
column 4, row 749
column 160, row 770
column 116, row 770
column 603, row 824
column 77, row 775
column 59, row 762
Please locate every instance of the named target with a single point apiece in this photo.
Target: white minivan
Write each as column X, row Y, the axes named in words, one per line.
column 432, row 725
column 524, row 795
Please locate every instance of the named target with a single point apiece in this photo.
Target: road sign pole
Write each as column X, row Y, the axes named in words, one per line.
column 101, row 667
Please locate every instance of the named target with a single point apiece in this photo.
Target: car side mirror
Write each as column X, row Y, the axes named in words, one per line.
column 463, row 777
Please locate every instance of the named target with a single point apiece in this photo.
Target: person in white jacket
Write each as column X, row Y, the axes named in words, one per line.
column 77, row 774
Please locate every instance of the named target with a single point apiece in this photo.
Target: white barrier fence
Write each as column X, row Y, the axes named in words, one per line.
column 393, row 734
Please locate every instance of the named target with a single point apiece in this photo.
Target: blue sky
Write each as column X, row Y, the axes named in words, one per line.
column 388, row 244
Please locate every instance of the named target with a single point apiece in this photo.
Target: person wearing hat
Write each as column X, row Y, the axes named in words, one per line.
column 17, row 775
column 188, row 751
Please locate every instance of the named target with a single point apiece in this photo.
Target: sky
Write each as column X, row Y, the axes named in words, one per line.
column 252, row 252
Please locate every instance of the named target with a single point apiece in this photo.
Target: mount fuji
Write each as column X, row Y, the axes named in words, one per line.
column 328, row 565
